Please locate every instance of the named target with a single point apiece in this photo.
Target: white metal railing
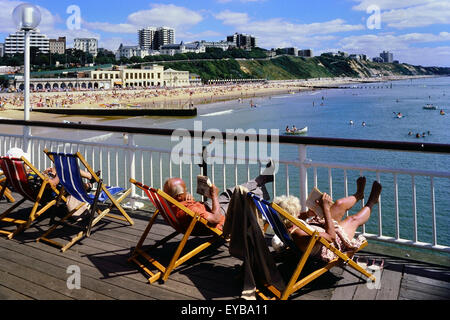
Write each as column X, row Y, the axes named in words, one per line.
column 150, row 165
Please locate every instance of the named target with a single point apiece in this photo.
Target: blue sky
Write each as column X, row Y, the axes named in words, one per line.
column 416, row 31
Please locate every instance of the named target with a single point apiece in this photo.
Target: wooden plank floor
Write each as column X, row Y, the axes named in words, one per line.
column 32, row 270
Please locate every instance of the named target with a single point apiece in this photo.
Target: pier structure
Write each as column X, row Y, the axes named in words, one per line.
column 417, row 264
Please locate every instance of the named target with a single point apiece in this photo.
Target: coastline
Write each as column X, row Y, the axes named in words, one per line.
column 202, row 98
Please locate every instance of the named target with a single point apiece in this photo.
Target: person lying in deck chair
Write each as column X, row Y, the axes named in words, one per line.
column 214, row 209
column 33, row 178
column 73, row 203
column 333, row 227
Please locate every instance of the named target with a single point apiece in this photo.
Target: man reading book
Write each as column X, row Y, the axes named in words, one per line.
column 215, row 208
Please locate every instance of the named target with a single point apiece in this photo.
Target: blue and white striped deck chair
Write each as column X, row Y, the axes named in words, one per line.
column 68, row 171
column 274, row 215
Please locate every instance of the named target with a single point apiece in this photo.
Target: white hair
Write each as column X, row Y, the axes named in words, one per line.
column 290, row 204
column 17, row 153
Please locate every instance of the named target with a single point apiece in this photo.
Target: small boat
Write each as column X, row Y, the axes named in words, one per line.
column 298, row 131
column 442, row 112
column 429, row 107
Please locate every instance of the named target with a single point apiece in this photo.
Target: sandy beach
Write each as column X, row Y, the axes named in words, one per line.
column 200, row 97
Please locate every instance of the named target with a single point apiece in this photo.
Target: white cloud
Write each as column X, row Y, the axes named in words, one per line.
column 405, row 47
column 165, row 15
column 232, row 18
column 6, row 21
column 388, row 4
column 419, row 16
column 409, row 13
column 278, row 32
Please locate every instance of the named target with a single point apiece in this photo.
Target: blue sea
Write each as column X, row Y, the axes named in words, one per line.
column 327, row 113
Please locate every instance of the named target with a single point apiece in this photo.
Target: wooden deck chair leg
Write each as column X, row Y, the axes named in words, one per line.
column 38, row 200
column 106, row 213
column 34, row 214
column 5, row 192
column 93, row 209
column 116, row 203
column 7, row 212
column 192, row 253
column 32, row 218
column 288, row 290
column 45, row 238
column 180, row 248
column 74, row 240
column 145, row 234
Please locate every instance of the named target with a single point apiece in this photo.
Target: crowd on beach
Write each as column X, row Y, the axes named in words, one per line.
column 133, row 96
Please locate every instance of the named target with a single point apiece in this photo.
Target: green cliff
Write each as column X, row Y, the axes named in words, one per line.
column 290, row 67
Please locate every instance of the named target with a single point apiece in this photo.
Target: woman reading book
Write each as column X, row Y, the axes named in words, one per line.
column 332, row 227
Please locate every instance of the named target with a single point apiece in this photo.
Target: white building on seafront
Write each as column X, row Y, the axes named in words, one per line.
column 151, row 76
column 89, row 45
column 15, row 42
column 172, row 49
column 131, row 51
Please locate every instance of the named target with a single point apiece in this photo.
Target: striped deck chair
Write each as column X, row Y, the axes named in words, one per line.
column 16, row 178
column 68, row 171
column 274, row 214
column 163, row 203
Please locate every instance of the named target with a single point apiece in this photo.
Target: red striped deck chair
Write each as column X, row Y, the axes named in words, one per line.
column 163, row 204
column 273, row 214
column 68, row 171
column 16, row 178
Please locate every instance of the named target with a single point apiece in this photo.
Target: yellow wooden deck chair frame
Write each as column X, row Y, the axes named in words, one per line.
column 162, row 201
column 115, row 203
column 4, row 190
column 295, row 283
column 18, row 178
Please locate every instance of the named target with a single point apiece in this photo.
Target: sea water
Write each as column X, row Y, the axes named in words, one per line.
column 327, row 113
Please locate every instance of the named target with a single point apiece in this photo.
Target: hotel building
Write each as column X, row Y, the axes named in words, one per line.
column 15, row 42
column 89, row 45
column 58, row 45
column 242, row 41
column 151, row 38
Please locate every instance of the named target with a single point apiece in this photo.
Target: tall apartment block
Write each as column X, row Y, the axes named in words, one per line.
column 387, row 56
column 89, row 45
column 15, row 42
column 243, row 41
column 151, row 38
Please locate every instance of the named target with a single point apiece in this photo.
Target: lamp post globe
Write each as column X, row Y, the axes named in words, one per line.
column 26, row 16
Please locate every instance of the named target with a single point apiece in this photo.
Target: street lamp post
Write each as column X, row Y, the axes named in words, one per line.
column 26, row 17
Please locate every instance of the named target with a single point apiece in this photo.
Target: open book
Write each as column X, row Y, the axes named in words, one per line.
column 203, row 186
column 315, row 194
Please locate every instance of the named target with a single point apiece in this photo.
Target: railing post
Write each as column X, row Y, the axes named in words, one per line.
column 132, row 167
column 303, row 176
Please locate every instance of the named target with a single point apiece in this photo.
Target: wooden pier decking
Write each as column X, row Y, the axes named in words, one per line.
column 32, row 270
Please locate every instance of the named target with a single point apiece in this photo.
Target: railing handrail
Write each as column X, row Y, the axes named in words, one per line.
column 311, row 141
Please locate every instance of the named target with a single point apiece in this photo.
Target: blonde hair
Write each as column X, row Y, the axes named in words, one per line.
column 290, row 204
